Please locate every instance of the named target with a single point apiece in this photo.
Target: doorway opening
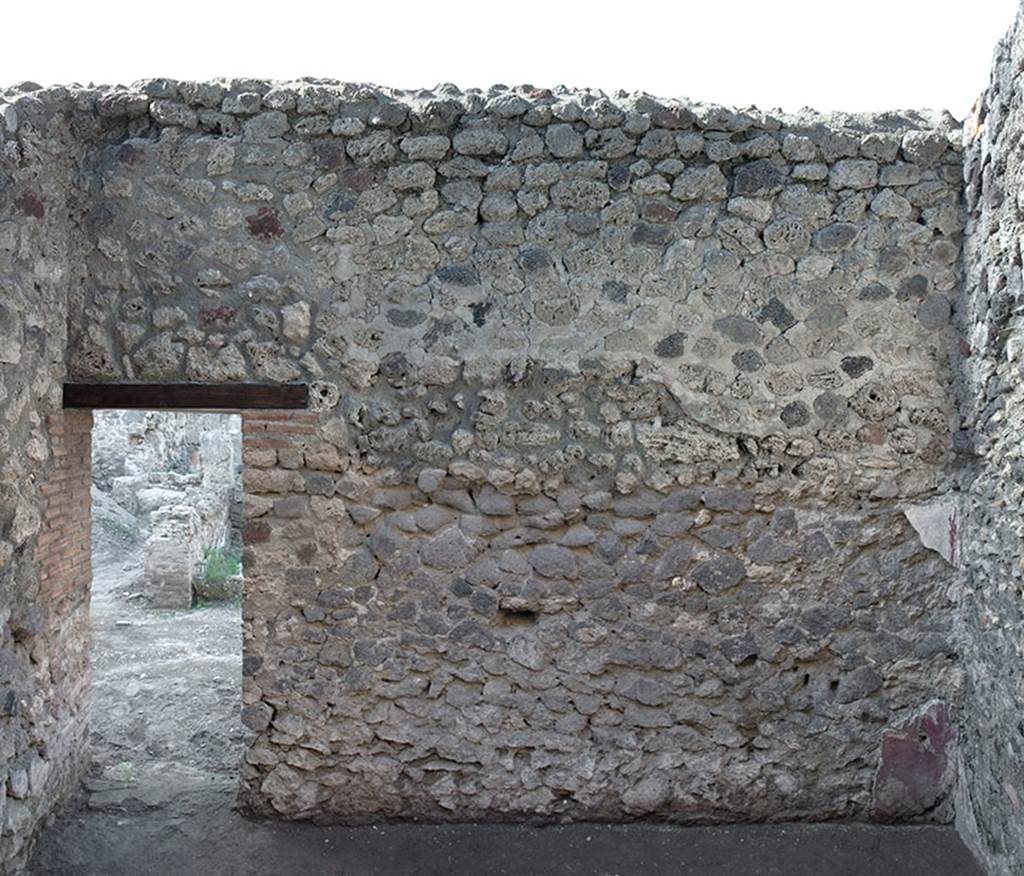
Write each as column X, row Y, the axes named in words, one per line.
column 159, row 560
column 165, row 607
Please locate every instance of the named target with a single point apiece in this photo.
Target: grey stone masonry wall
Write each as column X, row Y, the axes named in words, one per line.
column 43, row 634
column 617, row 406
column 991, row 397
column 482, row 644
column 782, row 279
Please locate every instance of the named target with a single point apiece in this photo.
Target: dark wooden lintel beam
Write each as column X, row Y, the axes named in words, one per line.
column 185, row 396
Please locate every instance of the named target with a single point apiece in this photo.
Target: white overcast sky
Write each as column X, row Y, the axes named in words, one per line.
column 853, row 55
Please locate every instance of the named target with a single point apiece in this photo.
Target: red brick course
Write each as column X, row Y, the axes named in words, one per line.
column 63, row 546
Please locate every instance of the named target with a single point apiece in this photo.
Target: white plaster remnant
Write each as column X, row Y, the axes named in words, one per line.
column 938, row 525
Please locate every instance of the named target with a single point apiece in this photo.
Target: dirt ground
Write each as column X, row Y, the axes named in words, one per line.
column 166, row 704
column 167, row 685
column 159, row 799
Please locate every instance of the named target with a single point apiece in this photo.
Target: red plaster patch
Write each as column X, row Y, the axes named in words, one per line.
column 359, row 179
column 30, row 205
column 256, row 532
column 222, row 314
column 912, row 773
column 265, row 224
column 129, row 154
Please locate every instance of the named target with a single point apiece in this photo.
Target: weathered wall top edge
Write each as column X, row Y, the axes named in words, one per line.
column 444, row 105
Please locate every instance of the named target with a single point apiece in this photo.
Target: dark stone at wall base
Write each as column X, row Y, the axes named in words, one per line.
column 619, row 176
column 934, row 312
column 795, row 414
column 748, row 360
column 830, row 406
column 775, row 312
column 759, row 178
column 738, row 329
column 480, row 310
column 718, row 574
column 670, row 346
column 874, row 292
column 857, row 366
column 535, row 258
column 836, row 237
column 459, row 275
column 721, row 499
column 652, row 235
column 615, row 290
column 913, row 287
column 405, row 318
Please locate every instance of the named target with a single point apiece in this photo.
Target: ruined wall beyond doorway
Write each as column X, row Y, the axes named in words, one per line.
column 176, row 475
column 618, row 408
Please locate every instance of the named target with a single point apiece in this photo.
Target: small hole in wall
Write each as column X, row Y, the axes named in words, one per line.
column 807, row 679
column 748, row 661
column 834, row 684
column 511, row 617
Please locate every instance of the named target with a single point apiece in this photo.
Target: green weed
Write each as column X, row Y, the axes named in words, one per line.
column 219, row 564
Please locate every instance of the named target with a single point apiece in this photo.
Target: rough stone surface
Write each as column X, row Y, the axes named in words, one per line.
column 43, row 634
column 988, row 531
column 598, row 509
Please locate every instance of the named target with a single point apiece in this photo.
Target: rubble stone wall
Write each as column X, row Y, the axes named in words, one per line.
column 42, row 639
column 617, row 404
column 990, row 390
